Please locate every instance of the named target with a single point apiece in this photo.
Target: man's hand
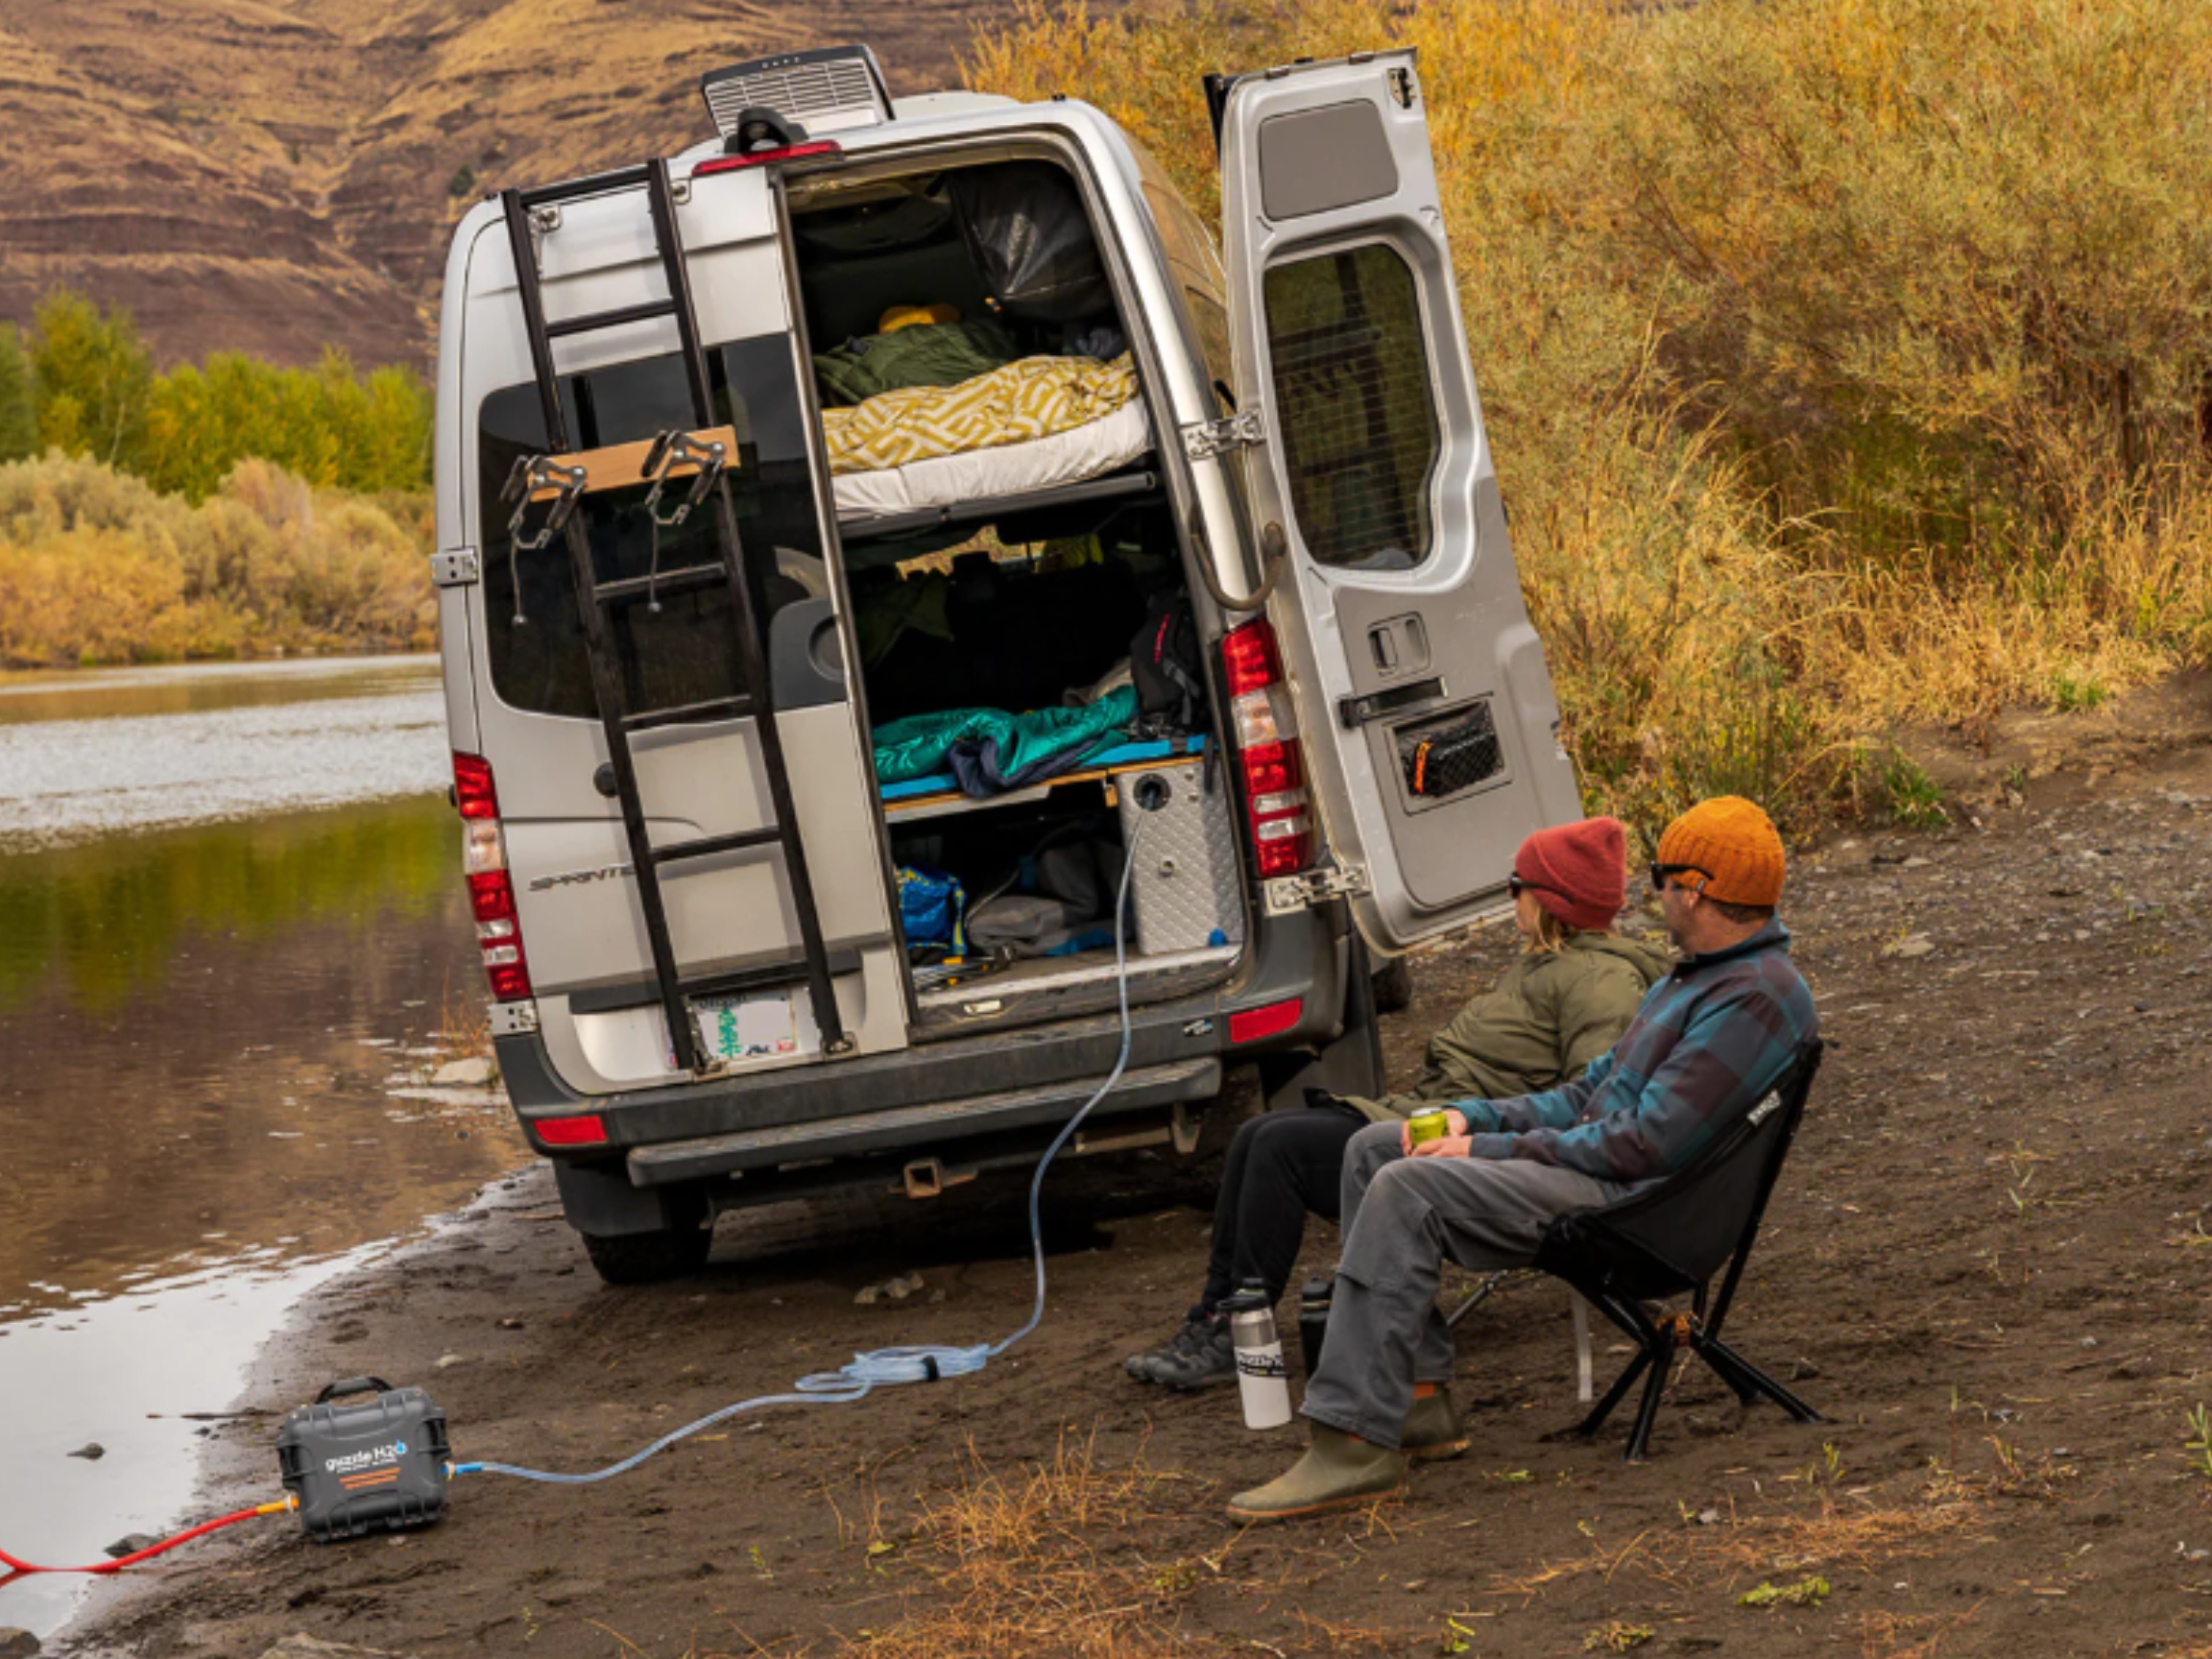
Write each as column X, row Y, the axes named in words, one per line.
column 1455, row 1124
column 1447, row 1146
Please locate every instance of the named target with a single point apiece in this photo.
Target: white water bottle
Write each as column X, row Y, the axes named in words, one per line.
column 1262, row 1381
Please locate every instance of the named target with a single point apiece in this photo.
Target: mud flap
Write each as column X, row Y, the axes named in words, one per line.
column 602, row 1202
column 1353, row 1063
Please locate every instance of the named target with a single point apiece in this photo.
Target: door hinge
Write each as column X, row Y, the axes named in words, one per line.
column 457, row 569
column 1210, row 438
column 514, row 1018
column 1287, row 893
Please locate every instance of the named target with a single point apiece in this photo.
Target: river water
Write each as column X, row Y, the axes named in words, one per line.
column 233, row 942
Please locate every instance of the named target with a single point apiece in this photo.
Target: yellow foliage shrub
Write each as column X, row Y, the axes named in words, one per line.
column 1844, row 360
column 97, row 566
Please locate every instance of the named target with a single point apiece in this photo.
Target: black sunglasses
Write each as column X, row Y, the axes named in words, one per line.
column 1515, row 887
column 1660, row 873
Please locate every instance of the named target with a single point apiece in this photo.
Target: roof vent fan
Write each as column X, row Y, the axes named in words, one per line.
column 828, row 89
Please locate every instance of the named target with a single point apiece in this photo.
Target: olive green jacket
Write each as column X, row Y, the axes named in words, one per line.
column 1549, row 1017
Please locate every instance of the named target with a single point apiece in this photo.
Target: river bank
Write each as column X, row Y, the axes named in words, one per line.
column 1985, row 1266
column 234, row 956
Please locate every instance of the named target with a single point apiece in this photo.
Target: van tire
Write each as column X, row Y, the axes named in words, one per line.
column 649, row 1258
column 1394, row 986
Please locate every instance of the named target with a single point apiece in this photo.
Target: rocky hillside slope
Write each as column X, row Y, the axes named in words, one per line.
column 275, row 176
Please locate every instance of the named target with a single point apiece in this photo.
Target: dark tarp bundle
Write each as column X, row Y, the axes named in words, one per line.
column 991, row 750
column 1031, row 238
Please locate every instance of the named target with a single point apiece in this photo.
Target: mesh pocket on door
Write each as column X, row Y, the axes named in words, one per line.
column 1445, row 757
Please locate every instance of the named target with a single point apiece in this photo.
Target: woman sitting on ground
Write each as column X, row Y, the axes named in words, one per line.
column 1570, row 994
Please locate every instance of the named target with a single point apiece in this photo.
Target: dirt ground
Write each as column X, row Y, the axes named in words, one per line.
column 1986, row 1264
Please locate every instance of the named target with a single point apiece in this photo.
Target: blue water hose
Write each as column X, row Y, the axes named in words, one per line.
column 923, row 1362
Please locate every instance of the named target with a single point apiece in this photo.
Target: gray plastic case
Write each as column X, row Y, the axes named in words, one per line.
column 1187, row 889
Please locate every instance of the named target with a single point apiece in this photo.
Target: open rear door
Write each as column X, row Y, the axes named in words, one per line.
column 1428, row 714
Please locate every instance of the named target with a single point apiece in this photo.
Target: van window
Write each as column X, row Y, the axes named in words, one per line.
column 686, row 651
column 1194, row 261
column 1359, row 415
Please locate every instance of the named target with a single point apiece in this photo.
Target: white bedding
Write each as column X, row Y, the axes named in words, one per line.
column 1068, row 457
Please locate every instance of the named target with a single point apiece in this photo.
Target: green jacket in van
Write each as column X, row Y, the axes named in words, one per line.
column 1549, row 1017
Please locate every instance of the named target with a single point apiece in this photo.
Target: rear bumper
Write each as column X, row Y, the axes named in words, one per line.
column 905, row 1127
column 935, row 1093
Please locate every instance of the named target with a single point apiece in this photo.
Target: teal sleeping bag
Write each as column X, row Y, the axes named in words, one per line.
column 989, row 750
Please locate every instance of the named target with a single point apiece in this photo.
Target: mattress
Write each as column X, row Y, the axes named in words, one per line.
column 1086, row 452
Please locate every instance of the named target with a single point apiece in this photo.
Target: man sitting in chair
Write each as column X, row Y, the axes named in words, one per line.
column 1709, row 1041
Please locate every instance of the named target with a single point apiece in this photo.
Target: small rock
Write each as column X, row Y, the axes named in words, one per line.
column 896, row 1288
column 1914, row 863
column 1803, row 1370
column 1911, row 946
column 305, row 1646
column 472, row 1072
column 129, row 1544
column 16, row 1643
column 91, row 1451
column 510, row 1323
column 447, row 1362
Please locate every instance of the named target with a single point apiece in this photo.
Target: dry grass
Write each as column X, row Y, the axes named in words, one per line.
column 1843, row 358
column 1050, row 1559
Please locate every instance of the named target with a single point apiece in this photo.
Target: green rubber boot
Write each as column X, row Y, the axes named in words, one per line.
column 1432, row 1429
column 1336, row 1473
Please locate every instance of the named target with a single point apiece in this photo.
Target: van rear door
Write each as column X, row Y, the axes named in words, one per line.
column 1427, row 712
column 729, row 915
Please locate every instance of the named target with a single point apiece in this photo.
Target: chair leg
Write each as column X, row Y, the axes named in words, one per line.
column 1475, row 1298
column 1749, row 1381
column 1595, row 1419
column 1584, row 1387
column 1648, row 1410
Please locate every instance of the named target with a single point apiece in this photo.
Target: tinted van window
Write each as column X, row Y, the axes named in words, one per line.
column 684, row 652
column 1350, row 370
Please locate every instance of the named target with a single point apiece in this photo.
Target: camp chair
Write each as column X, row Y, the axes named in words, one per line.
column 1669, row 1240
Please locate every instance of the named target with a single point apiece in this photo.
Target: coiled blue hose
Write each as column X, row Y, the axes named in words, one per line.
column 887, row 1367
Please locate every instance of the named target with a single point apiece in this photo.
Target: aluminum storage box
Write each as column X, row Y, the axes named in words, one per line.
column 1187, row 889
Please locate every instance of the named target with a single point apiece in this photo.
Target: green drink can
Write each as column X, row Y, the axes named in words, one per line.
column 1431, row 1125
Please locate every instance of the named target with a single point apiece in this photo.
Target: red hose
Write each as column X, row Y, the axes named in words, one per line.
column 281, row 1506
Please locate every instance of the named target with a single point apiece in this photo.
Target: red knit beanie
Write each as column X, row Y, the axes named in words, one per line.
column 1578, row 871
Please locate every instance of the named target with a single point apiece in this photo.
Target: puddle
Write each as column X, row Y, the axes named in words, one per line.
column 129, row 1373
column 216, row 1042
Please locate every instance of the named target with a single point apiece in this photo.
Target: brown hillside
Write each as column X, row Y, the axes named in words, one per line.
column 278, row 175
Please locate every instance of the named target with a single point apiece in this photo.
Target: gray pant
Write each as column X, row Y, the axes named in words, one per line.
column 1402, row 1217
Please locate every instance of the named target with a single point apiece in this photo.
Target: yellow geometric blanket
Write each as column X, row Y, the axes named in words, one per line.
column 1031, row 397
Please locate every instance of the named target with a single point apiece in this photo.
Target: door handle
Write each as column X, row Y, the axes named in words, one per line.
column 603, row 780
column 1357, row 711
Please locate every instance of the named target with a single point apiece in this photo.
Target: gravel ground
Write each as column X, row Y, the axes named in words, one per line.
column 1986, row 1264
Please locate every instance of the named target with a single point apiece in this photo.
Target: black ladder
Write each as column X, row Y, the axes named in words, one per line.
column 594, row 597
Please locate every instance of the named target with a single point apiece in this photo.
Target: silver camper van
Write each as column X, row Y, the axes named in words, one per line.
column 862, row 530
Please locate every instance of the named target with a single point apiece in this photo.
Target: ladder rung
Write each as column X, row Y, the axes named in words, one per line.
column 680, row 580
column 707, row 846
column 765, row 977
column 713, row 709
column 598, row 184
column 592, row 321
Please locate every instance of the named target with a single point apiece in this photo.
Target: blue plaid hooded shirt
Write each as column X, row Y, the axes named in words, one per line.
column 1711, row 1038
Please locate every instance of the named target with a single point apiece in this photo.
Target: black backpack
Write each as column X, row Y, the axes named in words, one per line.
column 1168, row 667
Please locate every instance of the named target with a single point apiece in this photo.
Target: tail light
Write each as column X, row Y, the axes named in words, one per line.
column 1275, row 797
column 491, row 891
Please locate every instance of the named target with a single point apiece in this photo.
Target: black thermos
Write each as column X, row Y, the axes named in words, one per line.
column 1312, row 1321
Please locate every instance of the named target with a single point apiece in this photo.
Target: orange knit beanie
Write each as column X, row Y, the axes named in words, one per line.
column 1735, row 844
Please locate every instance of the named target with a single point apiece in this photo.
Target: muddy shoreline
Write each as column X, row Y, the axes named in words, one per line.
column 1986, row 1264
